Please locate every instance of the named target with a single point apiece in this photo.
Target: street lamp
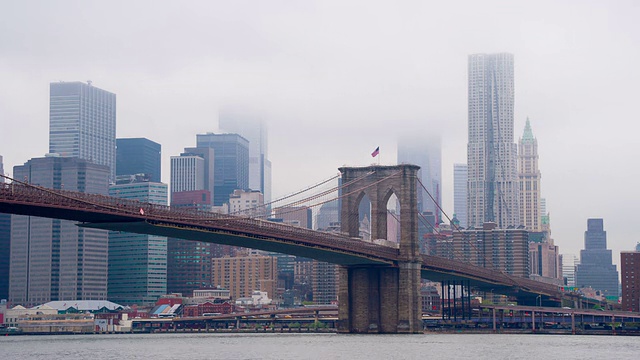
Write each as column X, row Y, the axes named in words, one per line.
column 539, row 298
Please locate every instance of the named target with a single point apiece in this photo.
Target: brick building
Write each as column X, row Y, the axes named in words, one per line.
column 630, row 268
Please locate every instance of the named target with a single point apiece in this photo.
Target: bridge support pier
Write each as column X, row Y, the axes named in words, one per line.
column 380, row 300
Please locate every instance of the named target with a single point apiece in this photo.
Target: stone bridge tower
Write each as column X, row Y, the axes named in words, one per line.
column 375, row 299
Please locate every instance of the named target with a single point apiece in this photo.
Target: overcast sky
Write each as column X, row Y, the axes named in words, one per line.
column 336, row 79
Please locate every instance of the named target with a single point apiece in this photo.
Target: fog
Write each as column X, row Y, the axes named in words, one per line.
column 336, row 79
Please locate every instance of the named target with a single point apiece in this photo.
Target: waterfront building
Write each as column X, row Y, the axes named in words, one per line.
column 569, row 262
column 242, row 275
column 53, row 259
column 325, row 283
column 596, row 269
column 231, row 163
column 506, row 250
column 460, row 193
column 82, row 123
column 252, row 127
column 630, row 268
column 491, row 152
column 137, row 262
column 138, row 156
column 425, row 151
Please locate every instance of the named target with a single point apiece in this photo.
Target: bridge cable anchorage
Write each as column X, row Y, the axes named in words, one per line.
column 457, row 228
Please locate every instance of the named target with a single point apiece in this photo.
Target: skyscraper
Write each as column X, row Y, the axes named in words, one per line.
column 424, row 151
column 460, row 193
column 5, row 238
column 231, row 163
column 630, row 268
column 1, row 170
column 187, row 173
column 596, row 269
column 82, row 123
column 53, row 259
column 137, row 262
column 5, row 248
column 253, row 128
column 138, row 156
column 207, row 154
column 569, row 262
column 529, row 176
column 491, row 152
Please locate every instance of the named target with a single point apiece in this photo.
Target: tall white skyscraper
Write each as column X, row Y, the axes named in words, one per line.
column 1, row 170
column 529, row 175
column 460, row 193
column 253, row 128
column 82, row 123
column 424, row 151
column 187, row 173
column 491, row 151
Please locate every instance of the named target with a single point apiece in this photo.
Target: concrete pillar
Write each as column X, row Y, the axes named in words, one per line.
column 533, row 321
column 494, row 320
column 573, row 323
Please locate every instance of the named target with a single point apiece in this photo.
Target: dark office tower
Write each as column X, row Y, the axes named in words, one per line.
column 252, row 127
column 231, row 163
column 596, row 269
column 82, row 123
column 630, row 268
column 137, row 262
column 5, row 237
column 54, row 259
column 424, row 151
column 138, row 156
column 491, row 152
column 189, row 262
column 5, row 241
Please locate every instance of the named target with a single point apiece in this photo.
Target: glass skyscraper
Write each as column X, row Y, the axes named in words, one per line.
column 82, row 123
column 253, row 128
column 424, row 151
column 491, row 151
column 460, row 193
column 53, row 259
column 596, row 269
column 138, row 156
column 231, row 163
column 137, row 262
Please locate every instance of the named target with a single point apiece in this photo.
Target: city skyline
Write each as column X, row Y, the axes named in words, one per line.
column 307, row 98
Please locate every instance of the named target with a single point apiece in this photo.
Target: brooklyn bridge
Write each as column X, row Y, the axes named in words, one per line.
column 379, row 289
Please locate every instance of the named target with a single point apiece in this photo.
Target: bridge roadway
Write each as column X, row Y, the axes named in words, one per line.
column 109, row 213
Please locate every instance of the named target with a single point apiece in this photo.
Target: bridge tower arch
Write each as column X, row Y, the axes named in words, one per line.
column 375, row 299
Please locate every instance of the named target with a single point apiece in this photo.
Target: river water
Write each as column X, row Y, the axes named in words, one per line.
column 319, row 346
